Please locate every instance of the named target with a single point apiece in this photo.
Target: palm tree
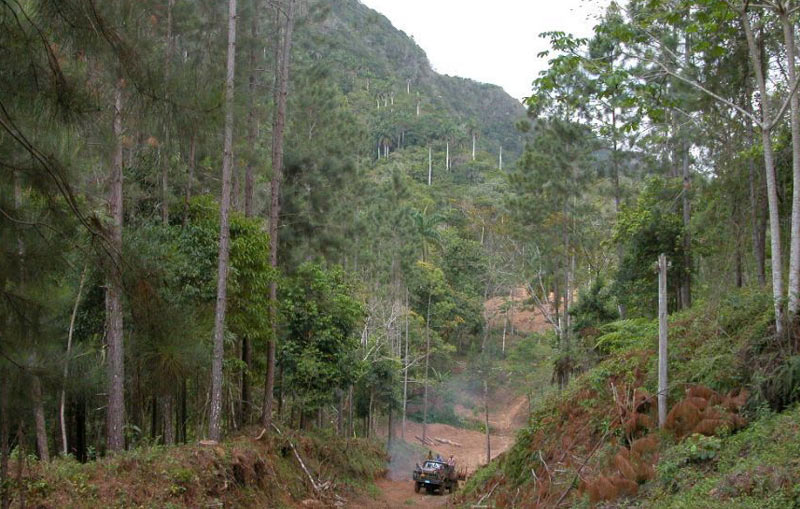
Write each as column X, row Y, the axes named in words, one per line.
column 425, row 227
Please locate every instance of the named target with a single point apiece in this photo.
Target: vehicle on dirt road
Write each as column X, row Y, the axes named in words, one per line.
column 436, row 476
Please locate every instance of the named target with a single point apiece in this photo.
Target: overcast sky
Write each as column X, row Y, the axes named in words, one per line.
column 493, row 41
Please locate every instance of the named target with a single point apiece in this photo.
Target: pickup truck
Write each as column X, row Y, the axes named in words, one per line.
column 435, row 476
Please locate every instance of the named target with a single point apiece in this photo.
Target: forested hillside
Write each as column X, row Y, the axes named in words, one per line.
column 260, row 254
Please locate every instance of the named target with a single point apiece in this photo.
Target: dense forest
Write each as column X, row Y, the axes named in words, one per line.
column 257, row 253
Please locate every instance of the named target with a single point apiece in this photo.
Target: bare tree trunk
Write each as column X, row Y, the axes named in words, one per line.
column 686, row 277
column 274, row 212
column 427, row 359
column 486, row 420
column 215, row 414
column 500, row 161
column 505, row 322
column 769, row 168
column 473, row 146
column 447, row 156
column 794, row 102
column 617, row 196
column 66, row 361
column 405, row 375
column 115, row 413
column 757, row 217
column 662, row 341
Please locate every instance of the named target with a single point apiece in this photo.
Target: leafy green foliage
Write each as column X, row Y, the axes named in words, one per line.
column 321, row 315
column 647, row 229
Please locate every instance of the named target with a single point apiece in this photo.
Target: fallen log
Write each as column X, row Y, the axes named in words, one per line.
column 446, row 441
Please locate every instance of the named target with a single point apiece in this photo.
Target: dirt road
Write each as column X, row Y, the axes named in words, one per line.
column 397, row 490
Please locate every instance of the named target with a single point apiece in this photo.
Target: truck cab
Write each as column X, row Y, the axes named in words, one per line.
column 435, row 476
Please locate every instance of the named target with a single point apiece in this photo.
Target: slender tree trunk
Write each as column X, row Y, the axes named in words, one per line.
column 486, row 421
column 473, row 146
column 794, row 102
column 617, row 195
column 274, row 213
column 505, row 321
column 662, row 341
column 447, row 156
column 500, row 161
column 686, row 285
column 769, row 168
column 405, row 375
column 64, row 443
column 215, row 414
column 427, row 360
column 39, row 420
column 757, row 216
column 115, row 413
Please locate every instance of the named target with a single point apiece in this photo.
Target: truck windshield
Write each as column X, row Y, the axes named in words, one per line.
column 432, row 464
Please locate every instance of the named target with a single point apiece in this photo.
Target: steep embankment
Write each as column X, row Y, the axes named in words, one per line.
column 240, row 472
column 723, row 446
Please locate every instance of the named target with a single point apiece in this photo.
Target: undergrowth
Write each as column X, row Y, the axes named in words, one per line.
column 577, row 438
column 240, row 472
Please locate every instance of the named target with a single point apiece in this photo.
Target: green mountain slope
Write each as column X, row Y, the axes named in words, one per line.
column 385, row 75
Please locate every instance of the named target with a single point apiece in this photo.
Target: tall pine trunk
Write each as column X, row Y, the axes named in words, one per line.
column 279, row 123
column 214, row 421
column 115, row 413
